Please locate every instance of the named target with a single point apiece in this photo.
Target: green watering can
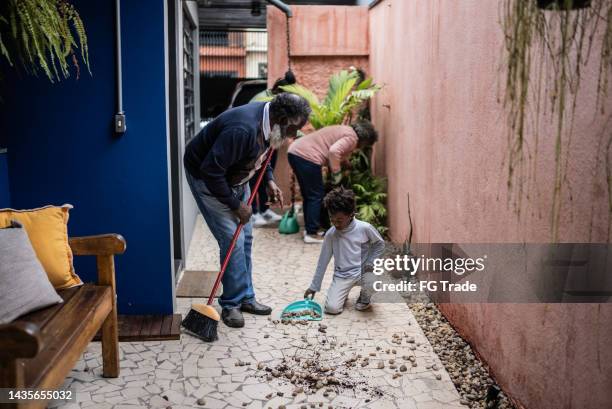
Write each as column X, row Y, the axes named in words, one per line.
column 289, row 223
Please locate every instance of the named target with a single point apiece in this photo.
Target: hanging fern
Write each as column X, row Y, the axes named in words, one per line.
column 545, row 53
column 43, row 35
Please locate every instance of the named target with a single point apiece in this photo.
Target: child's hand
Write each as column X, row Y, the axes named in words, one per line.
column 336, row 178
column 309, row 293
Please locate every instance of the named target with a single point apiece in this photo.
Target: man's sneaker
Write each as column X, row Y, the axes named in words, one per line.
column 308, row 239
column 271, row 217
column 363, row 302
column 320, row 233
column 258, row 220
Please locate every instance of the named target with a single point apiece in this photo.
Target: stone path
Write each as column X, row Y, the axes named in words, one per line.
column 187, row 370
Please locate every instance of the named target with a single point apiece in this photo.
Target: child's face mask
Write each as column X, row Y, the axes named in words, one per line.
column 341, row 220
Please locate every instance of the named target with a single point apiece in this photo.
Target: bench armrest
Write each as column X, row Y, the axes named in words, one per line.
column 101, row 245
column 19, row 340
column 105, row 247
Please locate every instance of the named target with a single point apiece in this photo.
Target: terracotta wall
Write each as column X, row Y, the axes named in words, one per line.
column 444, row 142
column 324, row 40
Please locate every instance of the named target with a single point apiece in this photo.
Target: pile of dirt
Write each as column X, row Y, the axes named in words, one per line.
column 320, row 363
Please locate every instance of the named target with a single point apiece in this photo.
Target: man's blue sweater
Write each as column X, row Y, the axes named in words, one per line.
column 224, row 152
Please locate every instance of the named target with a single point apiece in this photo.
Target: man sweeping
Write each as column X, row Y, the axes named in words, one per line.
column 219, row 162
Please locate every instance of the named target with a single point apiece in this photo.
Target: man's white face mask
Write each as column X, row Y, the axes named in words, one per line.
column 276, row 137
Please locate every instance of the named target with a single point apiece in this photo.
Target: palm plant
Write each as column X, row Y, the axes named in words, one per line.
column 343, row 96
column 43, row 34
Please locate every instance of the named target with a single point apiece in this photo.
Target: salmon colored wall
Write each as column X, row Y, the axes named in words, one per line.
column 324, row 40
column 444, row 142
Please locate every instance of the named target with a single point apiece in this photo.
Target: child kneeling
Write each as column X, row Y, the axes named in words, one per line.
column 355, row 245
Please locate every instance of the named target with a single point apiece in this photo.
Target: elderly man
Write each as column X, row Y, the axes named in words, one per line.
column 220, row 161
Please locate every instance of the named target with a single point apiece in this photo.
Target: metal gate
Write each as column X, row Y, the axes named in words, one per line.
column 241, row 54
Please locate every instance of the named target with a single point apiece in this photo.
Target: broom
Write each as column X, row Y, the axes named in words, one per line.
column 202, row 319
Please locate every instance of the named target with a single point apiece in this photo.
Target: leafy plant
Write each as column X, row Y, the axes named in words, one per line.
column 370, row 191
column 43, row 35
column 343, row 95
column 545, row 53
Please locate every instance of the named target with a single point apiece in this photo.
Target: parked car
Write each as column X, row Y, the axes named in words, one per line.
column 246, row 90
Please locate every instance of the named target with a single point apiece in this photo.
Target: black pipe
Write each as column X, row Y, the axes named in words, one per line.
column 282, row 6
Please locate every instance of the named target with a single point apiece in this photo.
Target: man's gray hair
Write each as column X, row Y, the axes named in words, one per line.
column 290, row 106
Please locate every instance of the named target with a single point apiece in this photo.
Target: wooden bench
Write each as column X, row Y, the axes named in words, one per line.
column 39, row 349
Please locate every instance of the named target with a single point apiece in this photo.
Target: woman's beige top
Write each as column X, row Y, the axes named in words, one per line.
column 332, row 144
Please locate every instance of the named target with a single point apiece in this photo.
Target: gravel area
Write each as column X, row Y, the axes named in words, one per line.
column 469, row 374
column 467, row 371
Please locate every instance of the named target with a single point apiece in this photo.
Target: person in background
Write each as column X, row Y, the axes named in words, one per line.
column 354, row 245
column 262, row 214
column 329, row 146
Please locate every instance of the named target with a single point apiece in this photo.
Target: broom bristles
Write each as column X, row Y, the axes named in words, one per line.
column 202, row 321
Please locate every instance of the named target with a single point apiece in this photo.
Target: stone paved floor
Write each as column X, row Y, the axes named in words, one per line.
column 186, row 370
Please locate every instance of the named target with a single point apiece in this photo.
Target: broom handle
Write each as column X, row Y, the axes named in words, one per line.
column 238, row 230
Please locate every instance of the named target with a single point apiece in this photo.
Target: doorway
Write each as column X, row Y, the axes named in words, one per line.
column 184, row 117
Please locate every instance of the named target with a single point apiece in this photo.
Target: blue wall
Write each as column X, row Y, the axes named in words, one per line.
column 62, row 149
column 5, row 196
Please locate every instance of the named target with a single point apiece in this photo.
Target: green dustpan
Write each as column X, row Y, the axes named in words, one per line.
column 305, row 304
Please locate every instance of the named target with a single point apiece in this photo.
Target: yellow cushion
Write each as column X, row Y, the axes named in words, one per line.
column 47, row 229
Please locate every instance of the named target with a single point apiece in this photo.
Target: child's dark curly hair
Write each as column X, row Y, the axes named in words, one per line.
column 340, row 200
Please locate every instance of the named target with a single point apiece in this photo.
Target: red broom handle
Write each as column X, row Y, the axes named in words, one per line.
column 238, row 230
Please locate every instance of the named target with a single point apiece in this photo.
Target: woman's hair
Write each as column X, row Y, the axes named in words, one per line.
column 340, row 200
column 288, row 79
column 365, row 131
column 362, row 75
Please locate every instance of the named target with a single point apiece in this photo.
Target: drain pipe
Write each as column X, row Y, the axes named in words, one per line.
column 282, row 6
column 120, row 126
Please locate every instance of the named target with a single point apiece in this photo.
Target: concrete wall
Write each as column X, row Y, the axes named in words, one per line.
column 62, row 149
column 444, row 142
column 324, row 40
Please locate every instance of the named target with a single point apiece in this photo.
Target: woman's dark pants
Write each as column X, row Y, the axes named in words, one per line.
column 310, row 179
